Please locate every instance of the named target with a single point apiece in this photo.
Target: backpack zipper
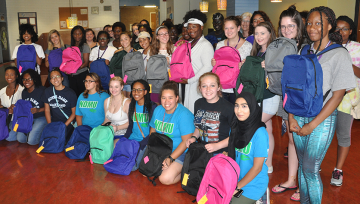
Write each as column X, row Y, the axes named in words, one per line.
column 175, row 63
column 293, row 88
column 96, row 148
column 232, row 167
column 315, row 77
column 216, row 190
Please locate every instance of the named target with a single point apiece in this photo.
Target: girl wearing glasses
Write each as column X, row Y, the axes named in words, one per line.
column 90, row 104
column 116, row 108
column 59, row 96
column 103, row 51
column 33, row 92
column 141, row 110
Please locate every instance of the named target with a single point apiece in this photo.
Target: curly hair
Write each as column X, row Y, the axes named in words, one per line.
column 83, row 39
column 33, row 75
column 296, row 18
column 98, row 87
column 23, row 28
column 17, row 73
column 147, row 100
column 50, row 43
column 119, row 24
column 263, row 15
column 195, row 14
column 351, row 23
column 256, row 47
column 331, row 18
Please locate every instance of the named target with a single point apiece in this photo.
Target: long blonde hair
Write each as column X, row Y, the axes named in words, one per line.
column 50, row 44
column 119, row 79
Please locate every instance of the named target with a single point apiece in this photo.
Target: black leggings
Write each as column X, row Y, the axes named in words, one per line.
column 77, row 82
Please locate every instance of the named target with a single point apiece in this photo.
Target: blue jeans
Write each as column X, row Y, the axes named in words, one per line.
column 33, row 137
column 311, row 150
column 229, row 97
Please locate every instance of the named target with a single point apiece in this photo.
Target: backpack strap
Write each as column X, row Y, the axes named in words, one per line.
column 326, row 94
column 331, row 47
column 305, row 50
column 153, row 180
column 138, row 123
column 57, row 103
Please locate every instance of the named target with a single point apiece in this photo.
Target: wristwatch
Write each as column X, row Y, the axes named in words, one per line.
column 238, row 194
column 171, row 159
column 194, row 137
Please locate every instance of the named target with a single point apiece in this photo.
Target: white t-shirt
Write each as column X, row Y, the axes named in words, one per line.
column 109, row 53
column 7, row 101
column 39, row 51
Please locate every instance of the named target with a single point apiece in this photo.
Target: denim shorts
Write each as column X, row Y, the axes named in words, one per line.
column 181, row 158
column 127, row 88
column 271, row 105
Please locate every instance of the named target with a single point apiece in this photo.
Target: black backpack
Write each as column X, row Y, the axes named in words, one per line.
column 115, row 65
column 196, row 159
column 159, row 147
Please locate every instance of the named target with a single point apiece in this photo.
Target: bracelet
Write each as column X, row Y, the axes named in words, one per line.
column 194, row 137
column 171, row 159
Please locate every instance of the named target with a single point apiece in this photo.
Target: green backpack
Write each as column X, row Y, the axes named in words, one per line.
column 101, row 143
column 115, row 65
column 252, row 78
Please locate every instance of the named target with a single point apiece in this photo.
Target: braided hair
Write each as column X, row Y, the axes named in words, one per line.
column 351, row 23
column 147, row 100
column 331, row 18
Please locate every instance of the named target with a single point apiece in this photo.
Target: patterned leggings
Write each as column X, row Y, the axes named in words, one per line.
column 311, row 150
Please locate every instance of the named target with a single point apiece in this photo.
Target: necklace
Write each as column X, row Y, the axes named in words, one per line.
column 236, row 43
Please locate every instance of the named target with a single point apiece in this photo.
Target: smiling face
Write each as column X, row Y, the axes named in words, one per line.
column 27, row 38
column 194, row 30
column 185, row 33
column 77, row 35
column 90, row 84
column 115, row 88
column 163, row 36
column 313, row 26
column 257, row 19
column 245, row 23
column 288, row 28
column 89, row 36
column 262, row 35
column 28, row 81
column 231, row 31
column 173, row 35
column 144, row 43
column 56, row 79
column 138, row 92
column 241, row 109
column 344, row 28
column 209, row 89
column 103, row 41
column 125, row 41
column 10, row 76
column 169, row 100
column 55, row 39
column 135, row 30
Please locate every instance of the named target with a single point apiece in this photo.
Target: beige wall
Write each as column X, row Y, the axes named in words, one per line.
column 212, row 9
column 48, row 15
column 340, row 7
column 127, row 15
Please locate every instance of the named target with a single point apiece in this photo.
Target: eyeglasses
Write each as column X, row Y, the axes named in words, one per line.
column 289, row 27
column 29, row 79
column 102, row 38
column 88, row 81
column 55, row 77
column 342, row 29
column 138, row 90
column 163, row 34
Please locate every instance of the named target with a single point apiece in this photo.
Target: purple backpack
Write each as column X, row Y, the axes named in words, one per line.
column 55, row 58
column 227, row 66
column 22, row 118
column 4, row 130
column 26, row 58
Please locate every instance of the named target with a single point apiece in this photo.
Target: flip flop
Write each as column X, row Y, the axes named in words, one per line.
column 285, row 188
column 294, row 196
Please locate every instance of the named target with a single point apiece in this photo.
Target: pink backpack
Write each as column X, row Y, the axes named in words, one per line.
column 180, row 66
column 220, row 179
column 227, row 66
column 71, row 60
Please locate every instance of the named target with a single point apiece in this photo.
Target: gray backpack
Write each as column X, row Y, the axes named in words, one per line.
column 133, row 67
column 156, row 72
column 275, row 54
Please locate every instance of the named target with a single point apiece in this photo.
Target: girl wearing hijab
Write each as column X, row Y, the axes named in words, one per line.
column 248, row 146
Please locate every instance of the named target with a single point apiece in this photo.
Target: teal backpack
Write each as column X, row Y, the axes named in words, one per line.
column 252, row 78
column 101, row 143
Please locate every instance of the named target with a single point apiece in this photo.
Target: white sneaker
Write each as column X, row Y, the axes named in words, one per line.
column 270, row 169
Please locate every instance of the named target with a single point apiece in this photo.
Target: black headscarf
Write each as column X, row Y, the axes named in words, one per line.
column 243, row 131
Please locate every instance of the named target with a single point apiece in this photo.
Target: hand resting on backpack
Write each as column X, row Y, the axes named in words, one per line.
column 263, row 64
column 241, row 63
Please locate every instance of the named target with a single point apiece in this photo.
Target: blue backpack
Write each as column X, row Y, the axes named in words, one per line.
column 4, row 130
column 55, row 58
column 100, row 68
column 26, row 58
column 22, row 117
column 302, row 81
column 52, row 138
column 123, row 157
column 78, row 145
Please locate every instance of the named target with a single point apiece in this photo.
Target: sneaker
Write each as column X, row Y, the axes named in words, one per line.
column 337, row 178
column 270, row 169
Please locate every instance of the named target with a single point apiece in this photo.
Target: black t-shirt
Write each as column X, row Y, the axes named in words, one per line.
column 213, row 120
column 66, row 98
column 35, row 97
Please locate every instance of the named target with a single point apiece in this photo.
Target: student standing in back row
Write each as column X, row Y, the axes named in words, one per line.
column 313, row 135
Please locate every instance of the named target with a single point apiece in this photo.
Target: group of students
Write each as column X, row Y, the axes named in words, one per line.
column 198, row 107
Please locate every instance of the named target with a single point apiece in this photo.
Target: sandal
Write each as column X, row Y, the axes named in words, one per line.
column 295, row 196
column 274, row 190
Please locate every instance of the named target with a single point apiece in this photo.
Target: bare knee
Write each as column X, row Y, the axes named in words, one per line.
column 166, row 179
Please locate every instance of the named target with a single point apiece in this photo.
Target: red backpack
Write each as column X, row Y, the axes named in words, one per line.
column 220, row 179
column 71, row 60
column 227, row 66
column 180, row 66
